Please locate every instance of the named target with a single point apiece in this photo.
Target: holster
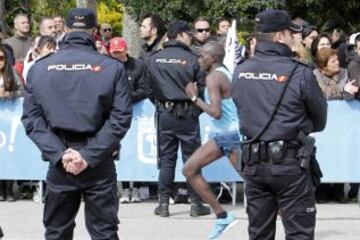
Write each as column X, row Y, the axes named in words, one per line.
column 315, row 170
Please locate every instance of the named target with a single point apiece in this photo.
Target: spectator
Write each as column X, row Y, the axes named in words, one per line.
column 309, row 33
column 48, row 27
column 323, row 40
column 335, row 84
column 106, row 32
column 222, row 27
column 44, row 46
column 332, row 79
column 202, row 33
column 136, row 72
column 10, row 88
column 354, row 62
column 59, row 28
column 338, row 38
column 21, row 41
column 152, row 30
column 299, row 49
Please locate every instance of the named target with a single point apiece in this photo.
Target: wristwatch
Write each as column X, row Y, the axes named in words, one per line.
column 194, row 98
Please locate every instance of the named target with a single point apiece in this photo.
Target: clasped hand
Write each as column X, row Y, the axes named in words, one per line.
column 73, row 162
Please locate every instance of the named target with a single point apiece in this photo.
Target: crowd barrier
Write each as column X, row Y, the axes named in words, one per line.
column 338, row 147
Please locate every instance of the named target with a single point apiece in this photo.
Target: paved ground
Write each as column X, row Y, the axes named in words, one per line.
column 21, row 220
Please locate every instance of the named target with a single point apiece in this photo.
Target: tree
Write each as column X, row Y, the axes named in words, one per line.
column 328, row 14
column 323, row 13
column 242, row 10
column 110, row 11
column 86, row 4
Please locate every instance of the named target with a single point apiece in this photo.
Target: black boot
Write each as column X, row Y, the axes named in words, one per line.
column 9, row 191
column 162, row 210
column 198, row 209
column 2, row 190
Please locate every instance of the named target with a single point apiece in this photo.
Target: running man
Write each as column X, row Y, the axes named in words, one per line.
column 224, row 141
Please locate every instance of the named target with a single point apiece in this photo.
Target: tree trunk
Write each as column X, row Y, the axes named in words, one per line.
column 86, row 4
column 2, row 11
column 131, row 34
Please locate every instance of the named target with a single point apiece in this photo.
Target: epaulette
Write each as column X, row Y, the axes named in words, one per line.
column 44, row 57
column 154, row 52
column 301, row 63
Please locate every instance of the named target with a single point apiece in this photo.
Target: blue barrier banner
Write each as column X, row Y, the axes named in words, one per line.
column 20, row 158
column 338, row 147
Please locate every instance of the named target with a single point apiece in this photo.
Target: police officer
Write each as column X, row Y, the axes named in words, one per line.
column 277, row 100
column 77, row 108
column 171, row 69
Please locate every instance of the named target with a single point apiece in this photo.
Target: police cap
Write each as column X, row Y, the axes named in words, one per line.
column 179, row 27
column 274, row 20
column 81, row 18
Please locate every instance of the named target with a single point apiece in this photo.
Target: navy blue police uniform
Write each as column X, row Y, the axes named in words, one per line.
column 171, row 69
column 79, row 99
column 276, row 180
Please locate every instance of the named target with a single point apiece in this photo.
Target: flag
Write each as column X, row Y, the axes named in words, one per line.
column 234, row 52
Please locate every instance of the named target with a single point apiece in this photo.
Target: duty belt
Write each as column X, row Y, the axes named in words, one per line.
column 71, row 139
column 177, row 109
column 273, row 152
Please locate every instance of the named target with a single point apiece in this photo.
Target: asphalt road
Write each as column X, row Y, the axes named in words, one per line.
column 22, row 220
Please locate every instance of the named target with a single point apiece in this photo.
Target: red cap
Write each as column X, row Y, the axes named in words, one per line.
column 117, row 44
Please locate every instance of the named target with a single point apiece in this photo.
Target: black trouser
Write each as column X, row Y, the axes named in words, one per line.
column 285, row 187
column 97, row 187
column 172, row 133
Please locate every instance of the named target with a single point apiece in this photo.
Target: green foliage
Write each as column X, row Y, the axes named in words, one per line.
column 45, row 8
column 243, row 10
column 328, row 14
column 36, row 9
column 323, row 13
column 110, row 11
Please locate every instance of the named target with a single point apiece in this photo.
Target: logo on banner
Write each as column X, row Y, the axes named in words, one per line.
column 15, row 121
column 146, row 140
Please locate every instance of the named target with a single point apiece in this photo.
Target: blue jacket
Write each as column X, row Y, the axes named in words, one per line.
column 80, row 91
column 257, row 86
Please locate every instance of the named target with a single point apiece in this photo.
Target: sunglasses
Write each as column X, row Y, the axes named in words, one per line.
column 2, row 58
column 199, row 30
column 107, row 30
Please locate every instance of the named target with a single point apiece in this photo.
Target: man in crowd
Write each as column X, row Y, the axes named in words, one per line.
column 106, row 32
column 77, row 116
column 202, row 33
column 139, row 90
column 279, row 102
column 171, row 69
column 21, row 41
column 48, row 27
column 222, row 27
column 152, row 30
column 59, row 28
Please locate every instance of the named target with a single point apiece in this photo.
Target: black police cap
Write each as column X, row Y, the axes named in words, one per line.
column 179, row 27
column 274, row 20
column 81, row 18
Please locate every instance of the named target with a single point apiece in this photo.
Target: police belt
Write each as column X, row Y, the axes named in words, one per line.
column 269, row 152
column 171, row 105
column 73, row 139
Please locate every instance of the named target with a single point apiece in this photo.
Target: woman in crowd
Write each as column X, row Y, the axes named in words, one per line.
column 335, row 84
column 323, row 40
column 10, row 88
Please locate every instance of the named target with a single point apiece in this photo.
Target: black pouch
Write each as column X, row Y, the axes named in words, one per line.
column 316, row 173
column 276, row 151
column 245, row 155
